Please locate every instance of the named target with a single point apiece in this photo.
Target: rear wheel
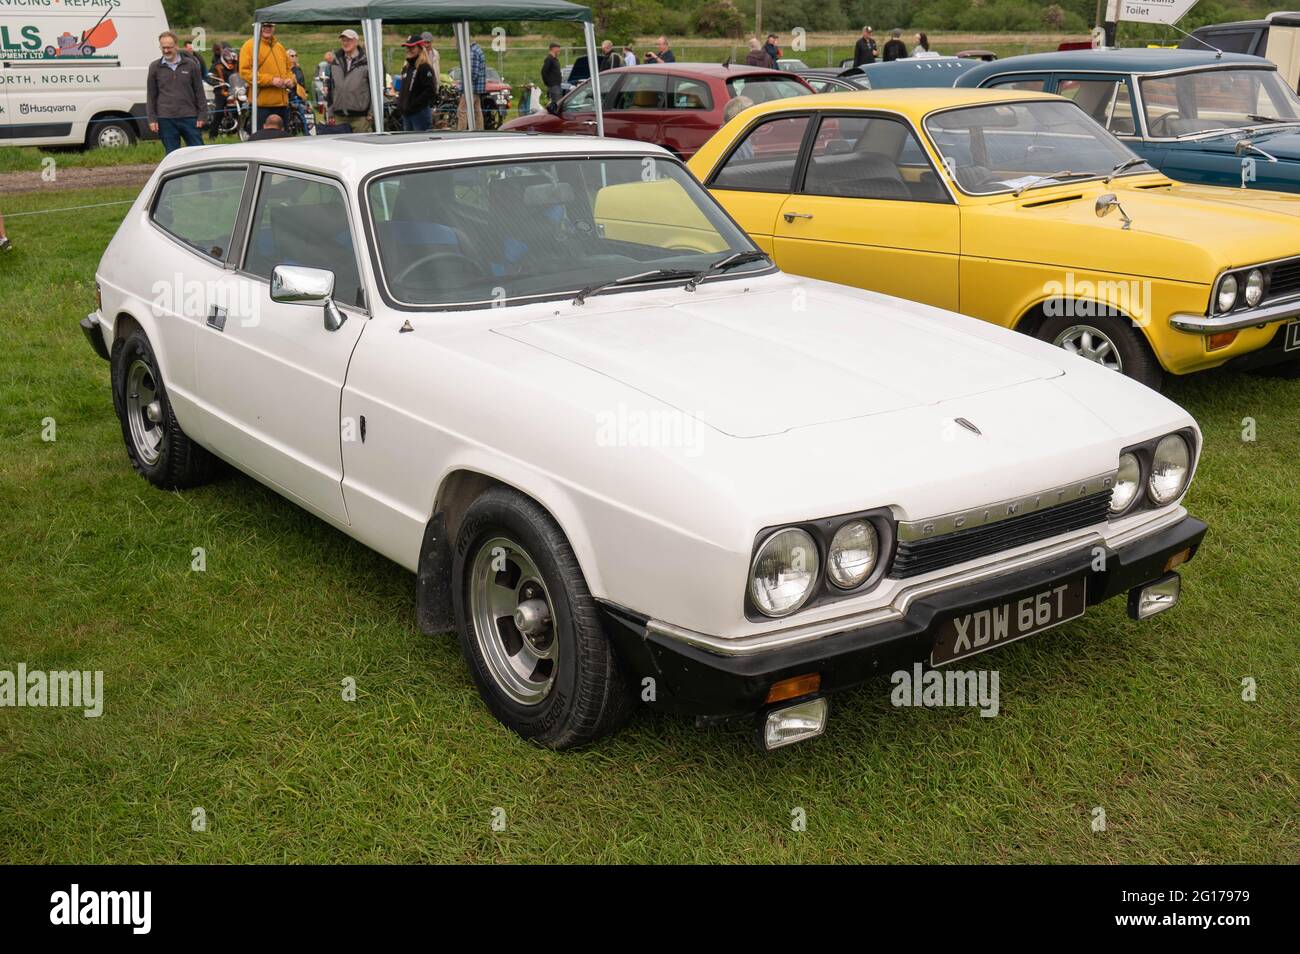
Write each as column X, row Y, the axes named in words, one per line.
column 1110, row 341
column 110, row 134
column 529, row 627
column 158, row 449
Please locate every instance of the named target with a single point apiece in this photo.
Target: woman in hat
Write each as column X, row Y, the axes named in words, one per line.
column 419, row 87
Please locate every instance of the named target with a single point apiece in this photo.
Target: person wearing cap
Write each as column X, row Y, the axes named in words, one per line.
column 419, row 85
column 427, row 39
column 349, row 87
column 895, row 48
column 864, row 51
column 274, row 76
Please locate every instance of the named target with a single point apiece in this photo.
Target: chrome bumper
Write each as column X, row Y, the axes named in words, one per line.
column 1206, row 325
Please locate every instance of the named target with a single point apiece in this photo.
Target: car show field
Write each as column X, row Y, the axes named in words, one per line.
column 226, row 683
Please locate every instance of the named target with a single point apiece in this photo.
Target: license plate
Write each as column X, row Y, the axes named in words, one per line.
column 1292, row 337
column 993, row 626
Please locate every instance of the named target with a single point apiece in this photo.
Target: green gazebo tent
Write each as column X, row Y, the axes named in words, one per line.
column 373, row 14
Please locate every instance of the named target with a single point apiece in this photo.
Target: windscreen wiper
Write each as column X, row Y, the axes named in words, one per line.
column 722, row 264
column 1122, row 167
column 651, row 276
column 1063, row 174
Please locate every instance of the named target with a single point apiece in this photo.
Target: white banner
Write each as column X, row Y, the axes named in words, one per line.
column 1167, row 12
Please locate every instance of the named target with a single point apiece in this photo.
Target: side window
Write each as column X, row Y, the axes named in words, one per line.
column 690, row 94
column 200, row 208
column 581, row 101
column 1031, row 84
column 766, row 158
column 300, row 221
column 871, row 157
column 1106, row 101
column 642, row 91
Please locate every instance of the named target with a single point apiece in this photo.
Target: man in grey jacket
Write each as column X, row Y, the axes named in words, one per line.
column 349, row 86
column 175, row 100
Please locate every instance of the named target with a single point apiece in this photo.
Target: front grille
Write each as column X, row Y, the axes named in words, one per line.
column 915, row 557
column 1285, row 280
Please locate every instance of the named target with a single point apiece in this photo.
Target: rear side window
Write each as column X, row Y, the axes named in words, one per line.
column 1033, row 84
column 765, row 87
column 690, row 94
column 866, row 157
column 200, row 209
column 301, row 221
column 765, row 159
column 642, row 91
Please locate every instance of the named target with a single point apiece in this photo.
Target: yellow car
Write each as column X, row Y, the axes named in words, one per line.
column 1017, row 208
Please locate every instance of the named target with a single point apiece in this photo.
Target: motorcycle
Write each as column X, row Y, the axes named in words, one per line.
column 235, row 119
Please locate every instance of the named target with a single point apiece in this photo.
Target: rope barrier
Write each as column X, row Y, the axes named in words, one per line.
column 71, row 208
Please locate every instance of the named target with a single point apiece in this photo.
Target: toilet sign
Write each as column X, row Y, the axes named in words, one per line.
column 1167, row 12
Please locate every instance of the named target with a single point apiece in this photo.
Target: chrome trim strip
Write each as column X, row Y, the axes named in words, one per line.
column 1232, row 321
column 782, row 638
column 932, row 527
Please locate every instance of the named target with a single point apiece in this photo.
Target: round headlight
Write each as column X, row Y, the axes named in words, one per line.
column 1254, row 287
column 1127, row 483
column 1228, row 293
column 1169, row 469
column 784, row 572
column 852, row 557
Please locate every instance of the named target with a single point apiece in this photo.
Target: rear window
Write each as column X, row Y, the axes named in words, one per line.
column 761, row 88
column 200, row 208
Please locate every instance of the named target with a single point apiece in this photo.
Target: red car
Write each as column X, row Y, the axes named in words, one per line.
column 675, row 105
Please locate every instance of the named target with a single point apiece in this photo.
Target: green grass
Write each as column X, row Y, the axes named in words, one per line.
column 222, row 688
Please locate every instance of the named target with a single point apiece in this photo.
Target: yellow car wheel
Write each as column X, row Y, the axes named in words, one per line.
column 1111, row 341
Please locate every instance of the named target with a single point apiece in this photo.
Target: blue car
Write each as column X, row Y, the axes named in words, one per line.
column 1197, row 116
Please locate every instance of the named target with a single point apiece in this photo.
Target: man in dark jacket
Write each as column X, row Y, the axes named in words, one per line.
column 553, row 77
column 772, row 50
column 864, row 51
column 895, row 48
column 175, row 101
column 349, row 88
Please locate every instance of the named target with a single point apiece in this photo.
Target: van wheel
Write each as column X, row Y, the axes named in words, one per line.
column 110, row 134
column 1109, row 341
column 529, row 628
column 159, row 450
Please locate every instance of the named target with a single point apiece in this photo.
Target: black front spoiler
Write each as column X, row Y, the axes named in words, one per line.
column 692, row 680
column 91, row 329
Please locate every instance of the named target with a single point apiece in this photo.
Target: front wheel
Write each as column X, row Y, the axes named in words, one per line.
column 111, row 134
column 1110, row 341
column 529, row 628
column 159, row 450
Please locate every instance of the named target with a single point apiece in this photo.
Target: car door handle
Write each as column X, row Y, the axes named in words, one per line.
column 791, row 216
column 589, row 122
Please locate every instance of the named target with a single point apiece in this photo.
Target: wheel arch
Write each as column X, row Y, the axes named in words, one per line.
column 457, row 490
column 1033, row 318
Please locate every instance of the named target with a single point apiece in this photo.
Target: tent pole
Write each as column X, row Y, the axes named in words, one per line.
column 589, row 33
column 257, row 46
column 374, row 30
column 466, row 80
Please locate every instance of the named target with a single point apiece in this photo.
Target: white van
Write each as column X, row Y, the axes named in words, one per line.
column 72, row 72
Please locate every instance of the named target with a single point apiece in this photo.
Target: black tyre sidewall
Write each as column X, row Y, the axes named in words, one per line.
column 136, row 345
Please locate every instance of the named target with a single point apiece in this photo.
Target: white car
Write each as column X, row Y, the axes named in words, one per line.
column 626, row 457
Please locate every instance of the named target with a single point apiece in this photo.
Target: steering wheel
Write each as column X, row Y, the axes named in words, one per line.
column 1160, row 125
column 436, row 257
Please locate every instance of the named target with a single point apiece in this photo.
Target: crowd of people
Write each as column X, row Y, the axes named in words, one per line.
column 866, row 51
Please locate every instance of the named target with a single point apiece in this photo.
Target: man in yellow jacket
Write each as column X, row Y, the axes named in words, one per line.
column 274, row 75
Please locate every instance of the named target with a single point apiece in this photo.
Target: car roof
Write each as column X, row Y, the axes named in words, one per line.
column 352, row 157
column 915, row 103
column 698, row 69
column 1112, row 60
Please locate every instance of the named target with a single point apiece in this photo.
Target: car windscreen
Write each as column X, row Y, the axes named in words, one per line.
column 1212, row 100
column 504, row 232
column 764, row 87
column 1007, row 147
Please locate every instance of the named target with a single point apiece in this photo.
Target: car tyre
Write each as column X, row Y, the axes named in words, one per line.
column 110, row 134
column 159, row 450
column 529, row 628
column 1109, row 340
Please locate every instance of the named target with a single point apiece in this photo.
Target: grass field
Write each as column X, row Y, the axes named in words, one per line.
column 223, row 687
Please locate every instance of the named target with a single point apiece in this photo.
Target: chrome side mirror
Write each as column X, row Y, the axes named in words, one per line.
column 1108, row 203
column 1243, row 146
column 298, row 285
